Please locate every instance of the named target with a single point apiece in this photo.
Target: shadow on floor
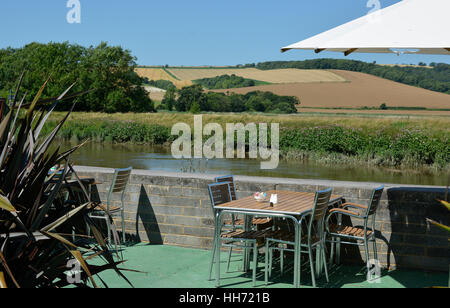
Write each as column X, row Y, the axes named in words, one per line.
column 339, row 276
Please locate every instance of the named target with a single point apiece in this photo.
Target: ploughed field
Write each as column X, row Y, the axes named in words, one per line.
column 161, row 74
column 271, row 76
column 362, row 90
column 324, row 91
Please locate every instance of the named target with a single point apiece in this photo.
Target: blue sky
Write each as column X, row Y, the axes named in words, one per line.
column 196, row 32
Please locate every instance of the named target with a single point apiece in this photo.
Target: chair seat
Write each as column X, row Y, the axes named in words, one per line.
column 241, row 234
column 237, row 222
column 255, row 221
column 287, row 236
column 349, row 231
column 254, row 235
column 100, row 207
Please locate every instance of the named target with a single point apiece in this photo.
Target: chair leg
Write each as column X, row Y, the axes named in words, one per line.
column 338, row 242
column 244, row 261
column 266, row 263
column 325, row 263
column 318, row 260
column 299, row 267
column 338, row 250
column 124, row 238
column 108, row 225
column 311, row 262
column 88, row 229
column 282, row 261
column 366, row 247
column 375, row 253
column 332, row 251
column 255, row 262
column 229, row 259
column 270, row 261
column 212, row 259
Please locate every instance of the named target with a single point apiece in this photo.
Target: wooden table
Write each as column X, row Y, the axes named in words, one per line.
column 291, row 205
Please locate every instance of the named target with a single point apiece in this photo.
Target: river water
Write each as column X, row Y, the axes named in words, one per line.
column 159, row 158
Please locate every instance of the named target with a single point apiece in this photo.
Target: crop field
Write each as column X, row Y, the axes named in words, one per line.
column 320, row 91
column 361, row 91
column 161, row 74
column 279, row 76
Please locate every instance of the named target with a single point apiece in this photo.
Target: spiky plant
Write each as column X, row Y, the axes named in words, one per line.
column 37, row 221
column 443, row 227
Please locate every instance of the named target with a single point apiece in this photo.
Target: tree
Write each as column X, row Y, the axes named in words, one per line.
column 195, row 107
column 104, row 68
column 187, row 96
column 255, row 103
column 169, row 99
column 116, row 101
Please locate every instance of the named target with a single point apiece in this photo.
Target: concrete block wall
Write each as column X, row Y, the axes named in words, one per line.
column 174, row 209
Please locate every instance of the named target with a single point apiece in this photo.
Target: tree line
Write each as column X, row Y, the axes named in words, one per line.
column 161, row 84
column 194, row 99
column 225, row 82
column 436, row 78
column 107, row 70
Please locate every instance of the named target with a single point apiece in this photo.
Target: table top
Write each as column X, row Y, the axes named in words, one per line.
column 289, row 202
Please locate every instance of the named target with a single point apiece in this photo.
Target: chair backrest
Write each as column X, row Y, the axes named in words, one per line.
column 120, row 180
column 319, row 211
column 321, row 203
column 375, row 200
column 228, row 179
column 57, row 176
column 219, row 193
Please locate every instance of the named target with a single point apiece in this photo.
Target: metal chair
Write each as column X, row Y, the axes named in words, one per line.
column 362, row 235
column 220, row 193
column 258, row 223
column 118, row 185
column 314, row 239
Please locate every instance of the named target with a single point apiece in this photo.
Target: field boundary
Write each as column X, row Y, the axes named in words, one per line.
column 171, row 74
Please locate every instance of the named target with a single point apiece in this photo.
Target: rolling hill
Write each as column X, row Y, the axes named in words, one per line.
column 314, row 87
column 361, row 90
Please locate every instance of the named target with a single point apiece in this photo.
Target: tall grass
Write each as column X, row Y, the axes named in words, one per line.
column 387, row 141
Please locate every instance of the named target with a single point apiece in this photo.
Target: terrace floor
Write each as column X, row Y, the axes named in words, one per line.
column 175, row 267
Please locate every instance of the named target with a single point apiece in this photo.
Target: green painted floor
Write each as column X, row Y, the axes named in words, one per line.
column 175, row 267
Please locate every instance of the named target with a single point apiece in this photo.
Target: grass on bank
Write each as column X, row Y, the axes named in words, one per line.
column 434, row 125
column 384, row 141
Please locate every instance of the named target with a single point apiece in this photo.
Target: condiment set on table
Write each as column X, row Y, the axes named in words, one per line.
column 261, row 197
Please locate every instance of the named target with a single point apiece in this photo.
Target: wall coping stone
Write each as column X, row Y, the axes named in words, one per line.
column 262, row 180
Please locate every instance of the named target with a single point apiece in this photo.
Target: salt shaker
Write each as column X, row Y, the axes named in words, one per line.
column 274, row 199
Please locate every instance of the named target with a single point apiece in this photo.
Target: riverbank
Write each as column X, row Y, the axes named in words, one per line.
column 407, row 142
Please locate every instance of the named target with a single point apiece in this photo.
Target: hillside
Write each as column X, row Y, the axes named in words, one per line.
column 362, row 90
column 182, row 77
column 161, row 74
column 436, row 79
column 271, row 76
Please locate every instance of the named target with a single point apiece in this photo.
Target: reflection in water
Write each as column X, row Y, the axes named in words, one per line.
column 158, row 158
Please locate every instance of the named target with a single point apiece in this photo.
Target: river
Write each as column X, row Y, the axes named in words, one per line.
column 159, row 158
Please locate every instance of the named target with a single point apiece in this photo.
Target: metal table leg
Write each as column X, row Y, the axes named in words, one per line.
column 217, row 247
column 297, row 256
column 246, row 250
